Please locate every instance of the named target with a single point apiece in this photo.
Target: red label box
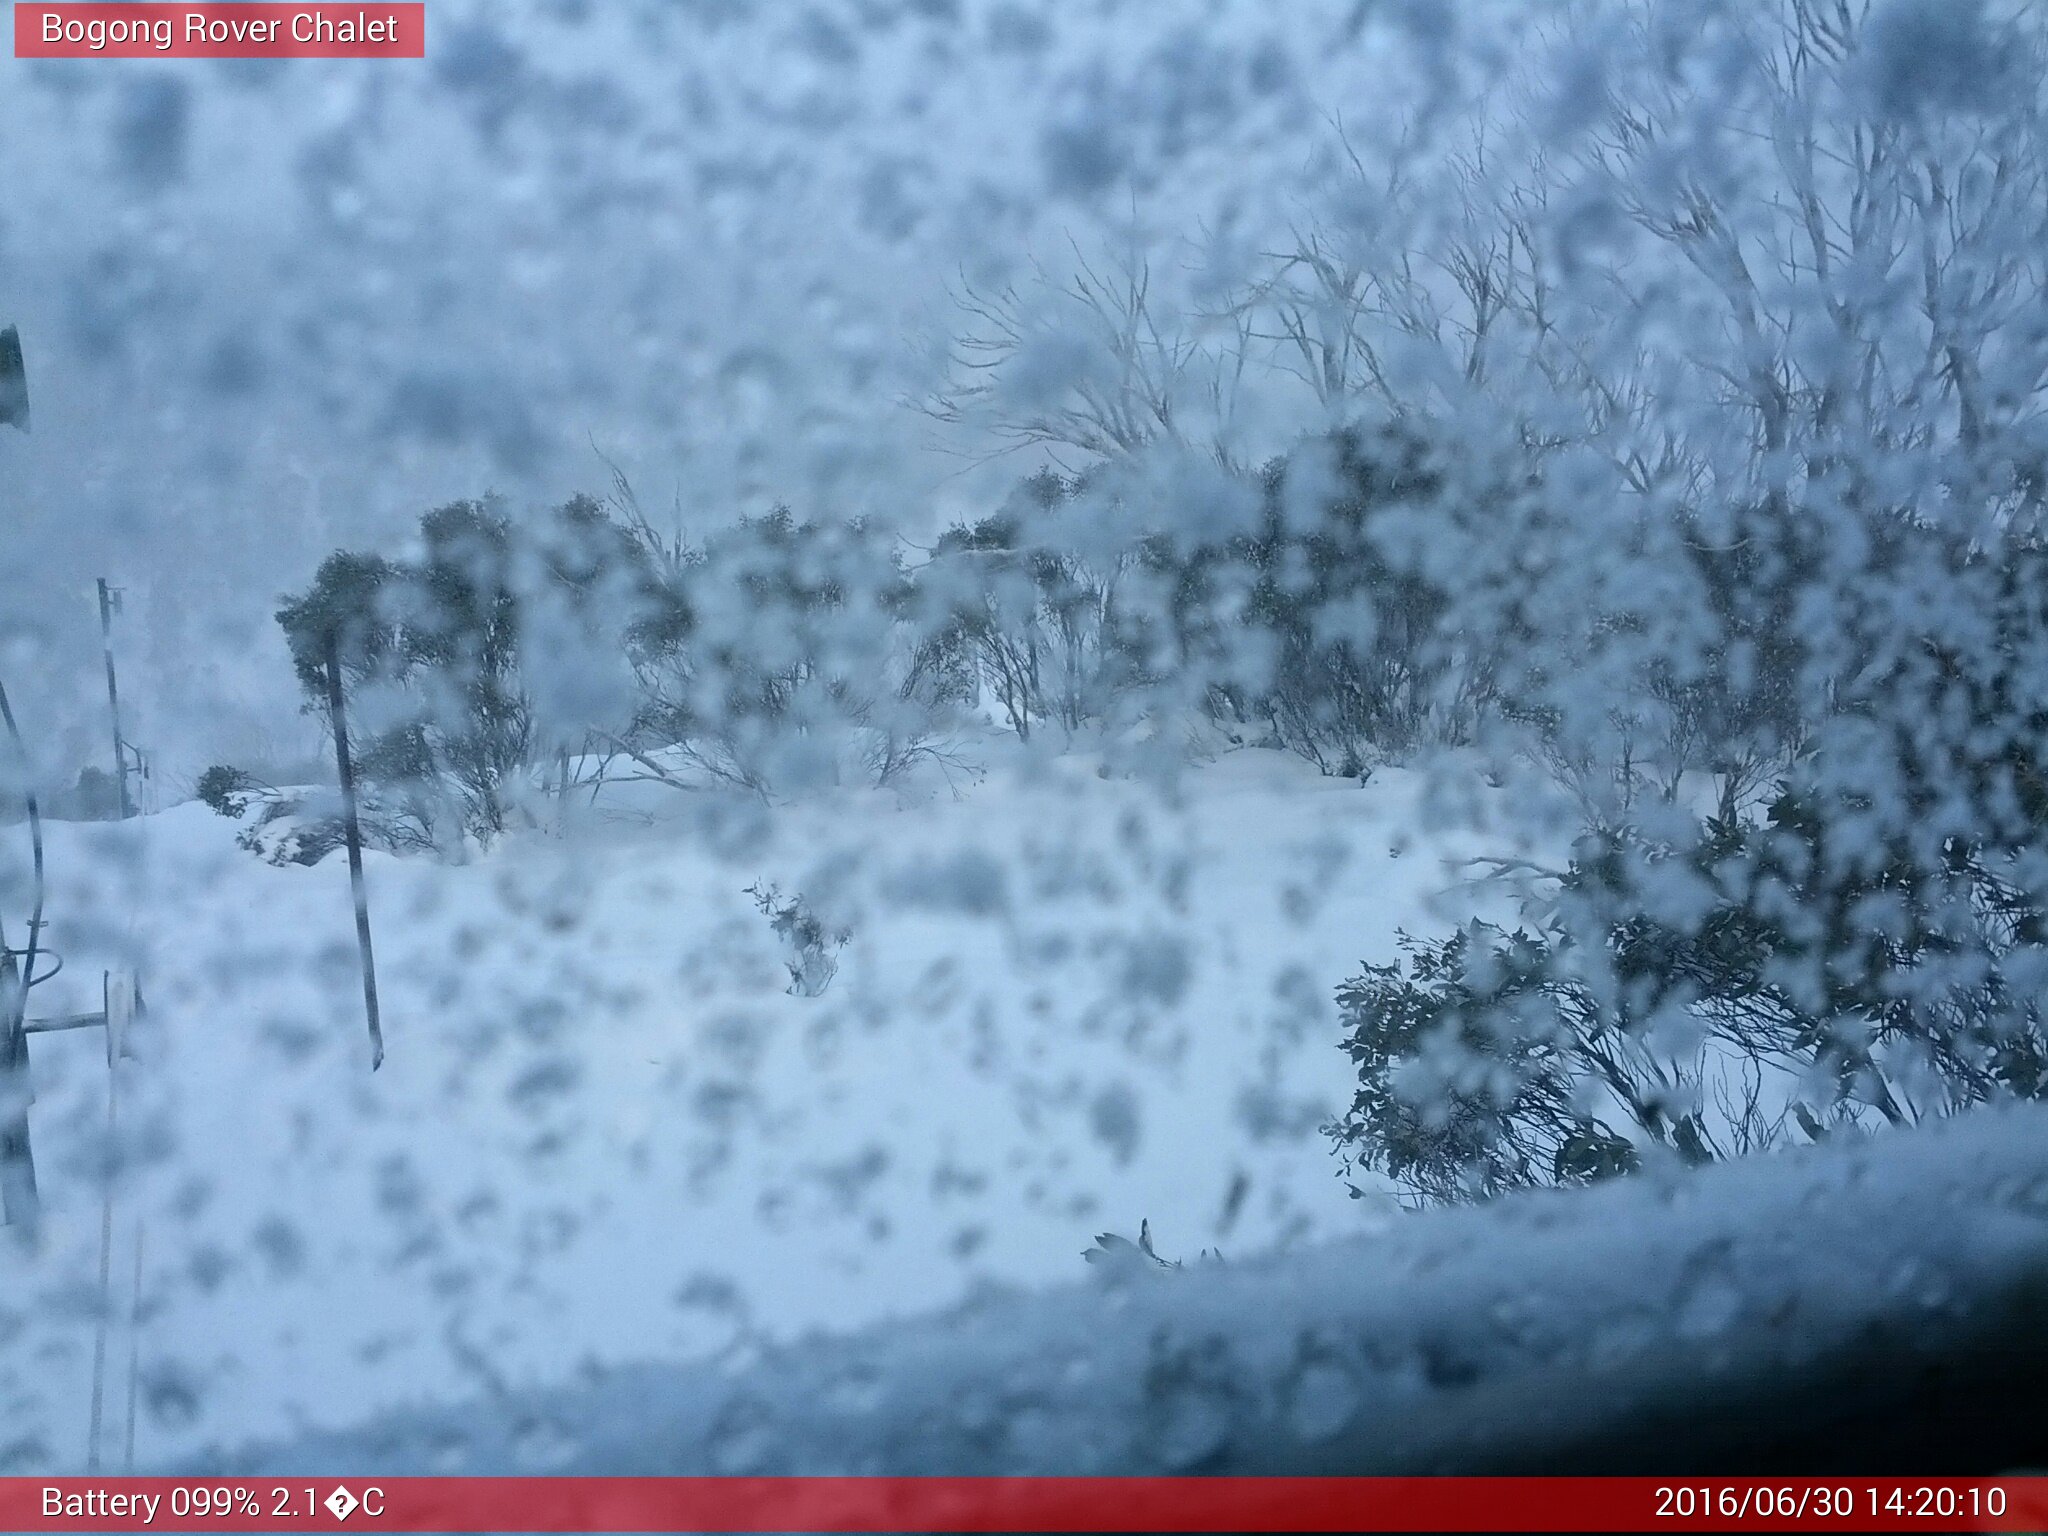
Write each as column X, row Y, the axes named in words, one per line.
column 1002, row 1504
column 236, row 30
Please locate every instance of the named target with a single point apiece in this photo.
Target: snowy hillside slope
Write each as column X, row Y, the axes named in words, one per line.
column 606, row 1133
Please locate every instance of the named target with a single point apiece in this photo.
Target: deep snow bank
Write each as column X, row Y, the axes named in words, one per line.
column 1874, row 1306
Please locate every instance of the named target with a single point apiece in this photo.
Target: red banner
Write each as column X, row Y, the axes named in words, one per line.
column 1025, row 1504
column 238, row 30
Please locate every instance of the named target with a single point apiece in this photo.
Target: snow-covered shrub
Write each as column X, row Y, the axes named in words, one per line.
column 441, row 652
column 284, row 831
column 281, row 832
column 1037, row 621
column 1785, row 995
column 226, row 790
column 1466, row 1070
column 813, row 944
column 1364, row 666
column 303, row 825
column 785, row 666
column 1766, row 598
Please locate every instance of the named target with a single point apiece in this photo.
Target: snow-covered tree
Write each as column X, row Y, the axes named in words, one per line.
column 1776, row 377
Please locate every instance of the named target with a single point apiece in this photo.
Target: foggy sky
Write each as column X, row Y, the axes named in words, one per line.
column 274, row 308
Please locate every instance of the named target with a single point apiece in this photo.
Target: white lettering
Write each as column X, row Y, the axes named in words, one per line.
column 203, row 29
column 99, row 1503
column 98, row 33
column 308, row 27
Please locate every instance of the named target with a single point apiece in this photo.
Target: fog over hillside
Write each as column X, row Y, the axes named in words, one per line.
column 279, row 306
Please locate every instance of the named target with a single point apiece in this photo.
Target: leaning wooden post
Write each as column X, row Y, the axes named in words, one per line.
column 353, row 833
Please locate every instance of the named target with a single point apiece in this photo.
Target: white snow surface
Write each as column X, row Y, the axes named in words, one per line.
column 1739, row 1314
column 606, row 1133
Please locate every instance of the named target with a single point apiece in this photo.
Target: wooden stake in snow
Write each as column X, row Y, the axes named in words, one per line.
column 353, row 832
column 109, row 601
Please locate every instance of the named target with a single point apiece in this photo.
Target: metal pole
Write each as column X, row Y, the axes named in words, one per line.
column 354, row 835
column 105, row 1321
column 114, row 697
column 134, row 1353
column 19, row 1202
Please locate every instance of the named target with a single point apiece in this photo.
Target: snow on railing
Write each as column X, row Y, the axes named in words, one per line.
column 1876, row 1306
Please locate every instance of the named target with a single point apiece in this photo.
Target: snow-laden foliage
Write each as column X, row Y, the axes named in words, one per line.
column 447, row 656
column 1771, row 582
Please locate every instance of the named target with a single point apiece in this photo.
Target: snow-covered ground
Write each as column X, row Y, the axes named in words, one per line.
column 1860, row 1306
column 606, row 1132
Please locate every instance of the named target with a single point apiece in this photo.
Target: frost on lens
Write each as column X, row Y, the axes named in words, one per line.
column 894, row 646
